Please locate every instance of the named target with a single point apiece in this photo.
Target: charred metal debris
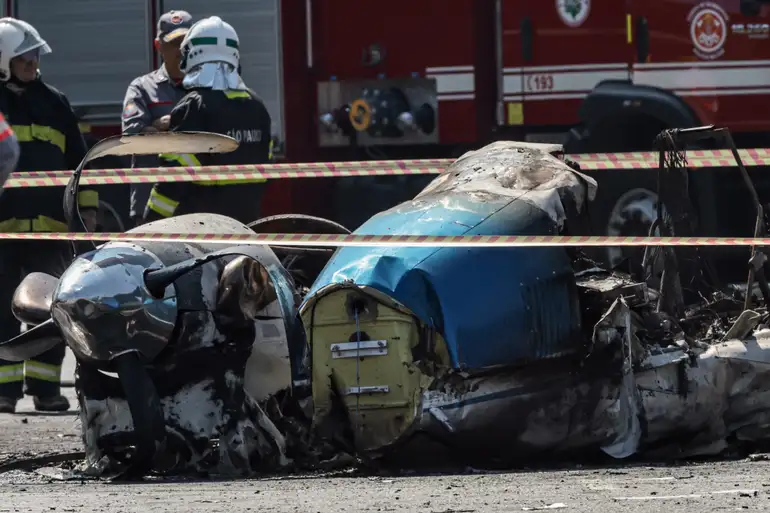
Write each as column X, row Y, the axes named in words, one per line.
column 666, row 361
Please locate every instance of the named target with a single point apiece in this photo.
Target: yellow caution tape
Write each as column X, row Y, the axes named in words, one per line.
column 333, row 240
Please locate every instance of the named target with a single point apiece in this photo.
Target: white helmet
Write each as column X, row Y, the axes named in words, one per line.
column 209, row 40
column 17, row 38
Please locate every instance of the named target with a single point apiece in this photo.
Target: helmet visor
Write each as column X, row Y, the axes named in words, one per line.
column 32, row 55
column 32, row 43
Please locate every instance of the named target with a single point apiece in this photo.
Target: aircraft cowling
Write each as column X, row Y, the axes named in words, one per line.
column 228, row 353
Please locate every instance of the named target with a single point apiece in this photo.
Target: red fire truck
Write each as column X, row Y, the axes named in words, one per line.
column 346, row 79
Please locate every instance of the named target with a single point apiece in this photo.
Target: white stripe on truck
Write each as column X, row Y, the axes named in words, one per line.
column 453, row 83
column 575, row 81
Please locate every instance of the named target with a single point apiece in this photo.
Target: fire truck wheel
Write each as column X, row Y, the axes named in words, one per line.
column 626, row 201
column 625, row 205
column 632, row 215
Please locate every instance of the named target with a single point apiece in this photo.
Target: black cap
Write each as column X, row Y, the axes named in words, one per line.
column 174, row 24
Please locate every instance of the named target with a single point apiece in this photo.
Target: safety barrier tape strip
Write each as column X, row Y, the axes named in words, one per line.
column 327, row 240
column 755, row 153
column 205, row 174
column 595, row 161
column 652, row 164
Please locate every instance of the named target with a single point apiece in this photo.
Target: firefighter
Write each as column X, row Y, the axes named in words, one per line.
column 50, row 139
column 217, row 101
column 9, row 151
column 150, row 98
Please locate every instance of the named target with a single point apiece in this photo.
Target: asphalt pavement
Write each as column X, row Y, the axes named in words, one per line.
column 711, row 486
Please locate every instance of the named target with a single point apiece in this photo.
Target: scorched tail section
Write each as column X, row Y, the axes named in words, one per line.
column 396, row 73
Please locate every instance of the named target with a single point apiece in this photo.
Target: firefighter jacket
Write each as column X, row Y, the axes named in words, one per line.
column 148, row 98
column 239, row 114
column 50, row 139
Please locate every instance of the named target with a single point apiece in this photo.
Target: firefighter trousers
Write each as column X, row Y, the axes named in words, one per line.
column 42, row 375
column 240, row 201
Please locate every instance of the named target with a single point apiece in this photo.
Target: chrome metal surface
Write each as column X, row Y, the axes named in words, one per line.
column 103, row 308
column 31, row 303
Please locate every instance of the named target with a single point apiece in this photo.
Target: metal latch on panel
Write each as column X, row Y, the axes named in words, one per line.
column 357, row 349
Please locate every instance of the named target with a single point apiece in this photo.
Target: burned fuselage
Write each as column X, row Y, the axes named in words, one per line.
column 510, row 352
column 390, row 327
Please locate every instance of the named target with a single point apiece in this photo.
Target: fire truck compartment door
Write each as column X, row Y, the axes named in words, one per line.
column 550, row 57
column 99, row 47
column 713, row 55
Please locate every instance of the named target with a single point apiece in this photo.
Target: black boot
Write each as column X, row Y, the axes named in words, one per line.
column 8, row 404
column 53, row 403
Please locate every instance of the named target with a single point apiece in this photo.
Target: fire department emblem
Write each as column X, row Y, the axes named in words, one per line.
column 708, row 30
column 573, row 12
column 130, row 110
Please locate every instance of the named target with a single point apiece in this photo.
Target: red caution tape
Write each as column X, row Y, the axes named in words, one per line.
column 323, row 240
column 753, row 153
column 239, row 172
column 591, row 161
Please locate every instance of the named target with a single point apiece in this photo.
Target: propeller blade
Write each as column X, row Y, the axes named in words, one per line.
column 141, row 144
column 31, row 343
column 162, row 142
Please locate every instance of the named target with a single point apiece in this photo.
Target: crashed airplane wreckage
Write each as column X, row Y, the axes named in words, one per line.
column 508, row 353
column 189, row 356
column 193, row 356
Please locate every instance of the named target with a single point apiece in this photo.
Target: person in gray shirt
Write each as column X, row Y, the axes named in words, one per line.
column 151, row 97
